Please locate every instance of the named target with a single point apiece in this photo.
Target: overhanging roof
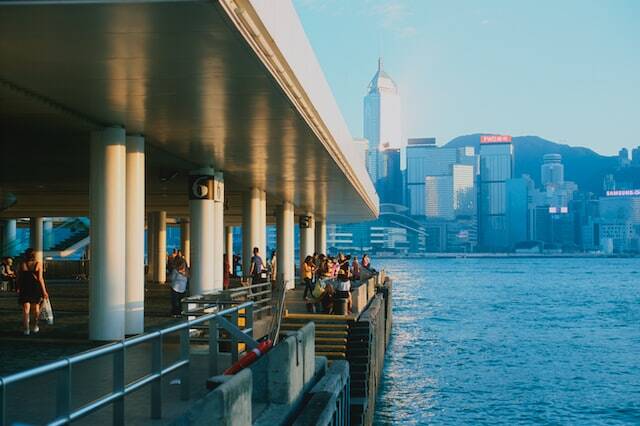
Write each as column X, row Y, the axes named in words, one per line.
column 232, row 84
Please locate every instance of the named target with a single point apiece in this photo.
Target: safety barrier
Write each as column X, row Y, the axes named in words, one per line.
column 226, row 320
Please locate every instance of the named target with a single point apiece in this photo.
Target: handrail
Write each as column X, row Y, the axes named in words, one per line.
column 64, row 413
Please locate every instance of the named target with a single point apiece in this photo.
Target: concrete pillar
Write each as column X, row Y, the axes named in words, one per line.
column 263, row 225
column 185, row 240
column 201, row 188
column 134, row 243
column 36, row 237
column 218, row 232
column 321, row 236
column 251, row 225
column 228, row 246
column 160, row 249
column 307, row 236
column 107, row 186
column 151, row 245
column 285, row 223
column 47, row 234
column 9, row 240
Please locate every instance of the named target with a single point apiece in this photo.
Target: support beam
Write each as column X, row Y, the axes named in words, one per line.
column 321, row 236
column 285, row 223
column 160, row 249
column 108, row 230
column 263, row 225
column 201, row 188
column 251, row 225
column 9, row 240
column 36, row 237
column 218, row 232
column 134, row 251
column 228, row 246
column 151, row 245
column 185, row 239
column 307, row 236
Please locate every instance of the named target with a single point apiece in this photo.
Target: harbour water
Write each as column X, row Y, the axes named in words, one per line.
column 513, row 341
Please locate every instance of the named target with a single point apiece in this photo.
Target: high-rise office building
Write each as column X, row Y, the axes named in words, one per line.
column 390, row 180
column 496, row 168
column 382, row 119
column 450, row 196
column 623, row 157
column 635, row 156
column 425, row 159
column 552, row 170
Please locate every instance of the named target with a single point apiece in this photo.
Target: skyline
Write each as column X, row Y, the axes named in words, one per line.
column 581, row 91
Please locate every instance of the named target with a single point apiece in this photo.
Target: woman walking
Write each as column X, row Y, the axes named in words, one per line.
column 32, row 290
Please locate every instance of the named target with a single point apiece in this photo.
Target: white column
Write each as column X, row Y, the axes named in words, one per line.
column 108, row 230
column 151, row 244
column 201, row 211
column 134, row 250
column 263, row 225
column 9, row 239
column 285, row 223
column 218, row 232
column 185, row 239
column 36, row 237
column 251, row 225
column 228, row 246
column 321, row 236
column 47, row 234
column 160, row 259
column 306, row 239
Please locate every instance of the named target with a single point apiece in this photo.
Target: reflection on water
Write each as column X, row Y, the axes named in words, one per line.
column 504, row 341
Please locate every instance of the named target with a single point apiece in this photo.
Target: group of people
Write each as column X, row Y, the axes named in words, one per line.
column 28, row 282
column 329, row 278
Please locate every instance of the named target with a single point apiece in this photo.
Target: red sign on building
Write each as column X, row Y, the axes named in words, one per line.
column 495, row 139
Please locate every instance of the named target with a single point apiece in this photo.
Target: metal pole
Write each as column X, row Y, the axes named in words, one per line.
column 248, row 312
column 118, row 386
column 234, row 339
column 63, row 395
column 156, row 386
column 184, row 356
column 213, row 346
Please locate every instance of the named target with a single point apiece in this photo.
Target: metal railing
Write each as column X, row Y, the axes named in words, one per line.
column 65, row 413
column 260, row 294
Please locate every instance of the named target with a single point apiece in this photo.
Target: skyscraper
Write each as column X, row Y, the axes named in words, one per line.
column 425, row 159
column 382, row 119
column 496, row 167
column 552, row 170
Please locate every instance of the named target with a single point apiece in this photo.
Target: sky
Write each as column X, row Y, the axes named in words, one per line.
column 568, row 71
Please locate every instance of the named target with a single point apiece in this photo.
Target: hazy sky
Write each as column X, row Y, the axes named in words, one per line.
column 568, row 71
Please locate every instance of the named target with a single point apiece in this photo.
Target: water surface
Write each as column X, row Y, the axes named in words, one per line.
column 513, row 341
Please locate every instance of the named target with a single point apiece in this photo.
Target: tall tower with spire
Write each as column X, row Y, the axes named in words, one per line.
column 382, row 120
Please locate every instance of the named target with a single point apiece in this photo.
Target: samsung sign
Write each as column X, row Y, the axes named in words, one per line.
column 624, row 193
column 485, row 139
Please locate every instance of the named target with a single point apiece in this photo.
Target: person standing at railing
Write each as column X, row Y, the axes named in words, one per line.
column 7, row 274
column 226, row 272
column 257, row 265
column 273, row 267
column 31, row 290
column 355, row 269
column 308, row 268
column 178, row 283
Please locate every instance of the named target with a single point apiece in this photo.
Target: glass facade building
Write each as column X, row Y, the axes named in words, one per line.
column 496, row 167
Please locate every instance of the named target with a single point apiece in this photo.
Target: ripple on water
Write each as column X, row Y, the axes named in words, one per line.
column 508, row 341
